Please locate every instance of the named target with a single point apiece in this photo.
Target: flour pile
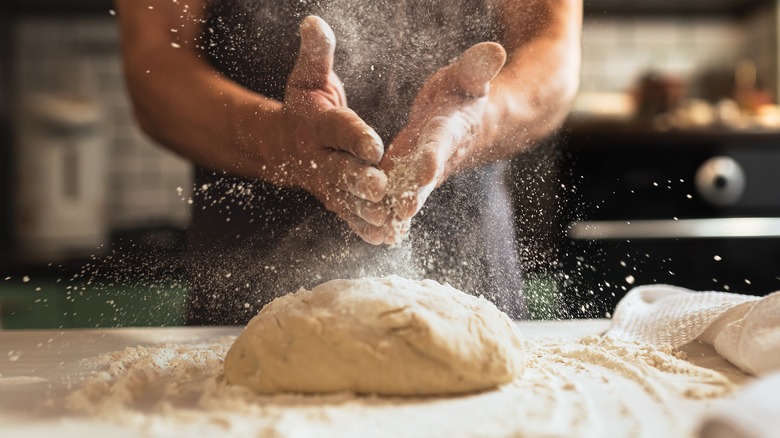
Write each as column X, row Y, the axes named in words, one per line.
column 590, row 387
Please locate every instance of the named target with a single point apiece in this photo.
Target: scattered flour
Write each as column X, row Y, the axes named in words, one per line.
column 590, row 387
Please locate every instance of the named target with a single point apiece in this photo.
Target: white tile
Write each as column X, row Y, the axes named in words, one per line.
column 658, row 33
column 600, row 32
column 95, row 29
column 130, row 165
column 717, row 33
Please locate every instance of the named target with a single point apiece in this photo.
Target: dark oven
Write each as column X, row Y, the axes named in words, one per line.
column 699, row 210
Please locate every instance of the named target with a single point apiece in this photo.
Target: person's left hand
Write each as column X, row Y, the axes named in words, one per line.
column 446, row 118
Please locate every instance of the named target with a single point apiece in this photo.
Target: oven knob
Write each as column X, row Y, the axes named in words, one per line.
column 720, row 180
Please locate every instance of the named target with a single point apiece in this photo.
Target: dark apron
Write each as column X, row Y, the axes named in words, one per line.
column 252, row 241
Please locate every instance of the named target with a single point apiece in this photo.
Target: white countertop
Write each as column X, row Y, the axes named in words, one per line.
column 38, row 366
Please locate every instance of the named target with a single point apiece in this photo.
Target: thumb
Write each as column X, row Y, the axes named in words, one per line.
column 315, row 58
column 477, row 67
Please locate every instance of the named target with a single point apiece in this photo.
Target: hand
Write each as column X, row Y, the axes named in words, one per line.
column 325, row 148
column 444, row 124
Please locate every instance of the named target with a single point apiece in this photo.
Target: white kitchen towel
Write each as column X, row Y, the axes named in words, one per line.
column 743, row 329
column 754, row 412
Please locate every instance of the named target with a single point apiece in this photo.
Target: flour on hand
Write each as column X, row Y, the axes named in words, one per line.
column 378, row 336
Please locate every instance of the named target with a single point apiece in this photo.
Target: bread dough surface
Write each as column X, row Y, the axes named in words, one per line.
column 384, row 335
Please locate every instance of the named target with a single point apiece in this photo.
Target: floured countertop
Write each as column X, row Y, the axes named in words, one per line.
column 167, row 382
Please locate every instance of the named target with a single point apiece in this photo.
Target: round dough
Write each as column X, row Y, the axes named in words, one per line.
column 377, row 335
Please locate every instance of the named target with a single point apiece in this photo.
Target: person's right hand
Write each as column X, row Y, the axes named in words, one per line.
column 324, row 147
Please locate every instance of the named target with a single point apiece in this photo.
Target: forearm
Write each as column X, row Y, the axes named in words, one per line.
column 532, row 94
column 199, row 115
column 182, row 102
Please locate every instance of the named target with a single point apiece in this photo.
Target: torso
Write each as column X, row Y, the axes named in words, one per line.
column 384, row 49
column 277, row 240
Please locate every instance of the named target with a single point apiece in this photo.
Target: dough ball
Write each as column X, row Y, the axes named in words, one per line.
column 380, row 336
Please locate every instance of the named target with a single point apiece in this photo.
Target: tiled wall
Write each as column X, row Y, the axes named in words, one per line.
column 618, row 50
column 81, row 56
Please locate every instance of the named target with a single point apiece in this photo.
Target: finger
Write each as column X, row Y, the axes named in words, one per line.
column 342, row 96
column 438, row 141
column 374, row 213
column 396, row 231
column 477, row 67
column 393, row 239
column 369, row 233
column 341, row 128
column 442, row 135
column 315, row 58
column 411, row 201
column 355, row 177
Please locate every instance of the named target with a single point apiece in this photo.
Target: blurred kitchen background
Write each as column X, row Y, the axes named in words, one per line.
column 667, row 87
column 79, row 179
